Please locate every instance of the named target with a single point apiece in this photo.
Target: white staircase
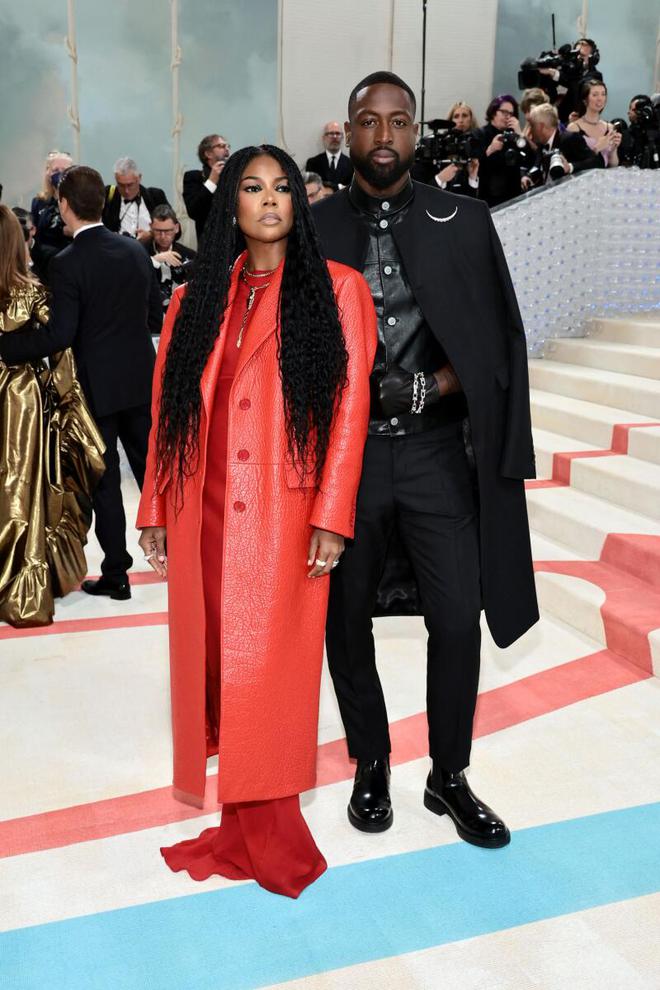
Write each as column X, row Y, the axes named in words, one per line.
column 596, row 398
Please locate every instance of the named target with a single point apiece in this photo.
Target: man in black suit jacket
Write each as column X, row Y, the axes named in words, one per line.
column 331, row 164
column 576, row 155
column 129, row 204
column 105, row 302
column 200, row 184
column 428, row 539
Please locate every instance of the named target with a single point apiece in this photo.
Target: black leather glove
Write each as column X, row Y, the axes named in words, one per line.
column 396, row 391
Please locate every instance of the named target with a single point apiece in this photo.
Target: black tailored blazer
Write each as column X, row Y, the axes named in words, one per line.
column 197, row 197
column 456, row 267
column 151, row 195
column 343, row 173
column 105, row 306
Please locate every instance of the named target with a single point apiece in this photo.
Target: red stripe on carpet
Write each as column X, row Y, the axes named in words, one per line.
column 88, row 625
column 501, row 708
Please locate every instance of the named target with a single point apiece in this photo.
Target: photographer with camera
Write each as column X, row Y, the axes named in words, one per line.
column 570, row 69
column 460, row 171
column 601, row 136
column 172, row 261
column 641, row 142
column 558, row 153
column 502, row 151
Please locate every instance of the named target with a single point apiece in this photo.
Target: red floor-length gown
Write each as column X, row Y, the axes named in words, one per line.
column 267, row 841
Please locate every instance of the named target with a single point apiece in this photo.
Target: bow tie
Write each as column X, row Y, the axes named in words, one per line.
column 136, row 199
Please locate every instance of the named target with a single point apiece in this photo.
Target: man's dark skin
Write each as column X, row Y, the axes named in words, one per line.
column 382, row 137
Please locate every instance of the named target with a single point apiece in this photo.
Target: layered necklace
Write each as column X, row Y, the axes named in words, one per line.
column 251, row 295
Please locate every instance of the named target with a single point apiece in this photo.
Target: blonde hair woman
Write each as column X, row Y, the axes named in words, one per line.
column 52, row 455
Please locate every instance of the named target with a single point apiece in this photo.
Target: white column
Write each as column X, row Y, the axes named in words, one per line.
column 72, row 108
column 177, row 117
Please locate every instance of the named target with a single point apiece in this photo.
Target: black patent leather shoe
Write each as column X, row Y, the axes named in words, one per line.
column 370, row 807
column 118, row 590
column 449, row 794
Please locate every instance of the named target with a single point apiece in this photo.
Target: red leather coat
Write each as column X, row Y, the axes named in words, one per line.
column 273, row 616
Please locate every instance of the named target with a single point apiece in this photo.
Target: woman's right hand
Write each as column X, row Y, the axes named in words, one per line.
column 153, row 543
column 495, row 145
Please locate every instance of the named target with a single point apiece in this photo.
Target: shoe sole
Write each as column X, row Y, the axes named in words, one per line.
column 434, row 804
column 369, row 826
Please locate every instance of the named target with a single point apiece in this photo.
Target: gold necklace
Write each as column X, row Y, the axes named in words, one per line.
column 251, row 297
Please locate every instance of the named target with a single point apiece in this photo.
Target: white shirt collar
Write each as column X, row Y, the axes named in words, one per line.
column 87, row 226
column 333, row 154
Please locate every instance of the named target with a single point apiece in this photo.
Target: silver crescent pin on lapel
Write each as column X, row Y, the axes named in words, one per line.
column 442, row 219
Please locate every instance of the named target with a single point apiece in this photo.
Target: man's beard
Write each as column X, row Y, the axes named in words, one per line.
column 382, row 176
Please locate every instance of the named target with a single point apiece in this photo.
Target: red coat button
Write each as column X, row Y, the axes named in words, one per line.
column 244, row 404
column 239, row 506
column 244, row 455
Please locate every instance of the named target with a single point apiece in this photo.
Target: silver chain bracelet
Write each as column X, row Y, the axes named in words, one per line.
column 419, row 392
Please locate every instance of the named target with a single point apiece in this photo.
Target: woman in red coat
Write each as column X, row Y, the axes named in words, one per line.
column 260, row 414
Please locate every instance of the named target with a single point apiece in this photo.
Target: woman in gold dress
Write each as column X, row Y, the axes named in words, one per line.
column 51, row 455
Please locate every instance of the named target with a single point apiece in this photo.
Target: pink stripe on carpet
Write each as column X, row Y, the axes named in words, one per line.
column 533, row 696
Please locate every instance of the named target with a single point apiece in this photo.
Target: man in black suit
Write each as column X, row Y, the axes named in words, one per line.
column 331, row 164
column 172, row 261
column 105, row 303
column 441, row 524
column 564, row 86
column 129, row 204
column 200, row 184
column 576, row 155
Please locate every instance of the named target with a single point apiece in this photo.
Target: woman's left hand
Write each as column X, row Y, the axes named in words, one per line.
column 324, row 549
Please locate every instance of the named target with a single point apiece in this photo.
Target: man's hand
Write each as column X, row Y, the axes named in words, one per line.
column 153, row 543
column 144, row 236
column 448, row 173
column 216, row 170
column 396, row 391
column 170, row 258
column 473, row 168
column 526, row 183
column 324, row 549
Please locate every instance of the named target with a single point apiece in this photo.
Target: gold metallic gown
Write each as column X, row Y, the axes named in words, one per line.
column 51, row 458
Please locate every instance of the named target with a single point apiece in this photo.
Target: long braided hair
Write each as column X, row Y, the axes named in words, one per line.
column 312, row 354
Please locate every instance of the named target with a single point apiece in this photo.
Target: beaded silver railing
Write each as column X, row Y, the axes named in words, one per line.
column 586, row 247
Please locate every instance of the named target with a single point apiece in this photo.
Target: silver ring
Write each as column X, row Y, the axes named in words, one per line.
column 320, row 563
column 335, row 562
column 153, row 554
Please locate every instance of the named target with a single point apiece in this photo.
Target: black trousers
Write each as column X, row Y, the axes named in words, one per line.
column 131, row 427
column 422, row 485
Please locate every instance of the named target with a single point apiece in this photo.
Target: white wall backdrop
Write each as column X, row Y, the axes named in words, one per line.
column 323, row 55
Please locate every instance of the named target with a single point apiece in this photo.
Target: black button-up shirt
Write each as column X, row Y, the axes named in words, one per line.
column 404, row 336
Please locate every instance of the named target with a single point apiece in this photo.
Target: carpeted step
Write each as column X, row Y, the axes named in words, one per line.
column 642, row 330
column 645, row 444
column 586, row 421
column 608, row 388
column 625, row 358
column 626, row 481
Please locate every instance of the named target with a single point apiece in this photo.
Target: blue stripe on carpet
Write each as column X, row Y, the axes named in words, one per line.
column 243, row 937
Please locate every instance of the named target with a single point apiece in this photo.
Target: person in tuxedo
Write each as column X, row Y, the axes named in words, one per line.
column 576, row 155
column 105, row 304
column 441, row 524
column 129, row 204
column 172, row 260
column 332, row 165
column 200, row 184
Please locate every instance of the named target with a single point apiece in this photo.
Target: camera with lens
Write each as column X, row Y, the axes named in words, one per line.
column 182, row 272
column 446, row 145
column 551, row 167
column 513, row 144
column 644, row 134
column 567, row 59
